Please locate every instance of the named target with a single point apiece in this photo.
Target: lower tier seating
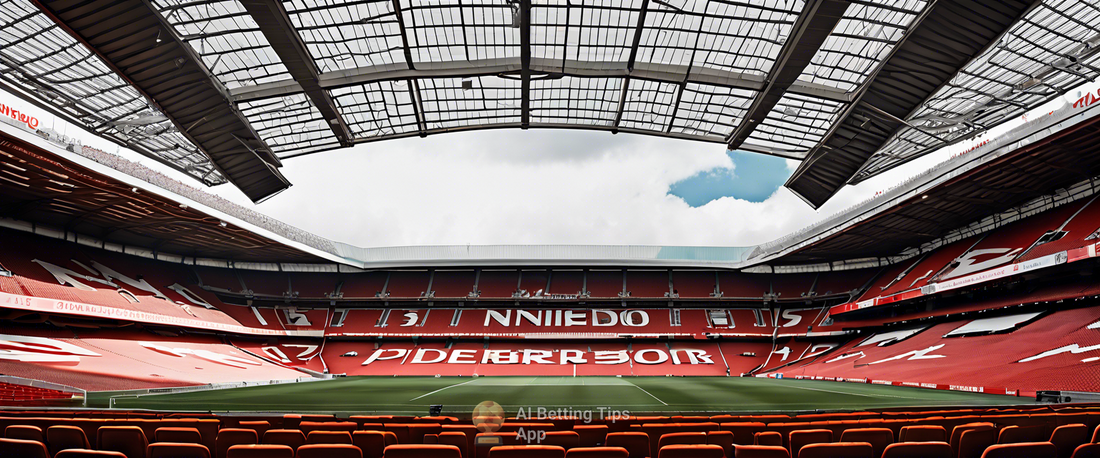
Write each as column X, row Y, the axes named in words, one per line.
column 952, row 433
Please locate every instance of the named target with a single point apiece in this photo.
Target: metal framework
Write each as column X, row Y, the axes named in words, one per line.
column 791, row 78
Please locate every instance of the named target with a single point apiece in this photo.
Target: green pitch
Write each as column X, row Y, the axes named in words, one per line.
column 636, row 395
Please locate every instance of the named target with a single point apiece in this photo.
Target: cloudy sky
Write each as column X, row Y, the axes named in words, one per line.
column 543, row 187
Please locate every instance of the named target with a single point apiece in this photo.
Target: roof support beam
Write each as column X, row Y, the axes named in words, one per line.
column 669, row 73
column 939, row 44
column 635, row 43
column 276, row 26
column 810, row 31
column 525, row 62
column 145, row 51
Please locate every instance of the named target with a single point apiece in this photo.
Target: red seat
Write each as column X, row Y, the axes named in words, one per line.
column 563, row 439
column 130, row 440
column 922, row 433
column 527, row 451
column 178, row 435
column 743, row 432
column 681, row 438
column 918, row 450
column 79, row 453
column 329, row 451
column 635, row 442
column 176, row 450
column 691, row 451
column 770, row 438
column 760, row 451
column 421, row 451
column 260, row 426
column 837, row 450
column 259, row 451
column 22, row 448
column 597, row 452
column 1090, row 450
column 591, row 435
column 455, row 438
column 879, row 438
column 292, row 438
column 984, row 435
column 723, row 439
column 329, row 437
column 802, row 437
column 1021, row 450
column 371, row 443
column 63, row 437
column 307, row 427
column 1068, row 437
column 229, row 437
column 24, row 432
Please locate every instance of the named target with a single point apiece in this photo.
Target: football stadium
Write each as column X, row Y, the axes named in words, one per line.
column 953, row 313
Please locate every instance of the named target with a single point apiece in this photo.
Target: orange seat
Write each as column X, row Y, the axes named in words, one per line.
column 292, row 438
column 328, row 451
column 455, row 438
column 1090, row 450
column 1068, row 437
column 879, row 438
column 527, row 451
column 597, row 452
column 723, row 439
column 922, row 433
column 80, row 453
column 328, row 437
column 260, row 426
column 681, row 438
column 24, row 432
column 421, row 451
column 229, row 437
column 635, row 442
column 802, row 437
column 691, row 451
column 307, row 427
column 176, row 450
column 1021, row 450
column 591, row 435
column 760, row 451
column 837, row 450
column 371, row 443
column 772, row 438
column 259, row 451
column 973, row 442
column 918, row 450
column 1095, row 436
column 130, row 440
column 563, row 439
column 23, row 448
column 743, row 431
column 431, row 438
column 63, row 437
column 178, row 435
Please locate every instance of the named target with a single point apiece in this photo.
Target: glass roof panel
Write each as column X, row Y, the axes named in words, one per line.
column 346, row 35
column 796, row 124
column 575, row 101
column 710, row 111
column 488, row 100
column 382, row 109
column 289, row 124
column 228, row 40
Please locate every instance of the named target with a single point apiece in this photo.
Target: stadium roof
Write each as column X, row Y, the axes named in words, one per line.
column 225, row 89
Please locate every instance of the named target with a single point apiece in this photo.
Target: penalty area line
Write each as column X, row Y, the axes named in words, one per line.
column 650, row 394
column 441, row 389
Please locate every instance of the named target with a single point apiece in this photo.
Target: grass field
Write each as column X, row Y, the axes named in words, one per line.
column 637, row 395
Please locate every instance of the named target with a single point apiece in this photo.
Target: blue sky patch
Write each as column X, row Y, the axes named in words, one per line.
column 753, row 178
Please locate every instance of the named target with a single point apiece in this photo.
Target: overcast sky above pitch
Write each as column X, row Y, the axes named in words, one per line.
column 540, row 187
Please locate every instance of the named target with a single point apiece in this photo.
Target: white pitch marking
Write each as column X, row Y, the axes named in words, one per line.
column 650, row 394
column 441, row 389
